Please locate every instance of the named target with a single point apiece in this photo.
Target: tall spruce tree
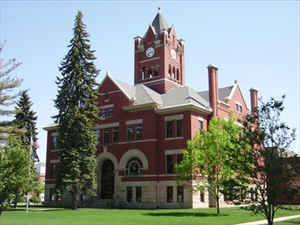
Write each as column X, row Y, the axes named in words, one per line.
column 26, row 118
column 77, row 113
column 8, row 94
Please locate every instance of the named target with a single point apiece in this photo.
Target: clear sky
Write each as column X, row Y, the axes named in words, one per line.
column 255, row 42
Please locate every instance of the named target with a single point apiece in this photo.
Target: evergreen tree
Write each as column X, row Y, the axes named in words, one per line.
column 26, row 119
column 77, row 113
column 8, row 85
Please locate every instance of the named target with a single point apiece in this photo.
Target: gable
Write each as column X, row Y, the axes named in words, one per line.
column 109, row 86
column 236, row 97
column 149, row 35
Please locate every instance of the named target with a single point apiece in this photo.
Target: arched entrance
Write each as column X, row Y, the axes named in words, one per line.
column 107, row 180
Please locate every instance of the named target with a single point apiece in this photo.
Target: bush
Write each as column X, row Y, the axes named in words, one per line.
column 35, row 199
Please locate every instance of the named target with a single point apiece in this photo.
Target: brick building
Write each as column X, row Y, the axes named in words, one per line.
column 147, row 125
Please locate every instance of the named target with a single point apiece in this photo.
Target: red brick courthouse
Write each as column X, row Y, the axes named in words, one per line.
column 147, row 125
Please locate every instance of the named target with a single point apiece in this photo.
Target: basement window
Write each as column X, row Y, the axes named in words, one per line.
column 169, row 194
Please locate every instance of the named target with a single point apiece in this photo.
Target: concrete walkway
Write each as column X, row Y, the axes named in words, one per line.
column 275, row 220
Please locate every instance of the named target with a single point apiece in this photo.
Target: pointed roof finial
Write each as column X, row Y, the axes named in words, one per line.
column 159, row 23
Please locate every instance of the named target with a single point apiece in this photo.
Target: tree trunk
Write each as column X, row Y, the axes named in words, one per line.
column 270, row 221
column 75, row 199
column 218, row 205
column 1, row 209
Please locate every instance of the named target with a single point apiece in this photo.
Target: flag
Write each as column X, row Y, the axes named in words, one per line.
column 34, row 152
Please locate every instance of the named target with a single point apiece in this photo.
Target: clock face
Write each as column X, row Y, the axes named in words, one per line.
column 150, row 52
column 173, row 54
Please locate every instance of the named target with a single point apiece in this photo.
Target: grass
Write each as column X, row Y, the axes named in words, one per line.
column 290, row 222
column 53, row 216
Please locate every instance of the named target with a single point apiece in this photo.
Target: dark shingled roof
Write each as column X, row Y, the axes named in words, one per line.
column 223, row 93
column 159, row 23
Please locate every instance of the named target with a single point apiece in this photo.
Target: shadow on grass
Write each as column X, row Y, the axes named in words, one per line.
column 33, row 209
column 183, row 214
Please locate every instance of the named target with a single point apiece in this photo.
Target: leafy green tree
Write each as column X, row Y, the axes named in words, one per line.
column 271, row 169
column 8, row 94
column 15, row 170
column 77, row 113
column 211, row 157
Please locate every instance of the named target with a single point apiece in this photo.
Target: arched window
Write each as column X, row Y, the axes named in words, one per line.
column 155, row 73
column 150, row 73
column 169, row 75
column 173, row 73
column 134, row 167
column 143, row 73
column 177, row 75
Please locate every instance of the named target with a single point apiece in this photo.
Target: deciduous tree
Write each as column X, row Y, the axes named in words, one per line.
column 271, row 168
column 211, row 157
column 15, row 170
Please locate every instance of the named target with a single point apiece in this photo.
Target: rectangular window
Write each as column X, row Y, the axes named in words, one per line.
column 130, row 133
column 102, row 113
column 115, row 132
column 135, row 132
column 129, row 194
column 139, row 132
column 106, row 138
column 241, row 109
column 109, row 112
column 54, row 141
column 179, row 128
column 180, row 194
column 53, row 170
column 52, row 194
column 202, row 196
column 172, row 160
column 98, row 131
column 138, row 194
column 238, row 108
column 200, row 125
column 169, row 128
column 179, row 158
column 169, row 194
column 171, row 163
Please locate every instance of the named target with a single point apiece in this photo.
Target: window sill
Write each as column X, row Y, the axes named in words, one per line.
column 173, row 138
column 171, row 174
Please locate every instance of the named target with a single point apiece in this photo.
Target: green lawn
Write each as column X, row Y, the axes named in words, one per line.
column 48, row 216
column 290, row 222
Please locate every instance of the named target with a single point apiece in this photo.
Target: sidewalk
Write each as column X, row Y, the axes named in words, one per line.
column 275, row 220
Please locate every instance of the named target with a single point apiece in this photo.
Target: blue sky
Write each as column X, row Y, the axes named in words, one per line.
column 255, row 42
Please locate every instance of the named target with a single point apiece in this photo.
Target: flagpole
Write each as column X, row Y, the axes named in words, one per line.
column 29, row 156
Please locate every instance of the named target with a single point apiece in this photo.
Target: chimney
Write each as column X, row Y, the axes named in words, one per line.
column 213, row 89
column 253, row 99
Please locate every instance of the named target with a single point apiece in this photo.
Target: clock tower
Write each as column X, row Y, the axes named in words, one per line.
column 159, row 57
